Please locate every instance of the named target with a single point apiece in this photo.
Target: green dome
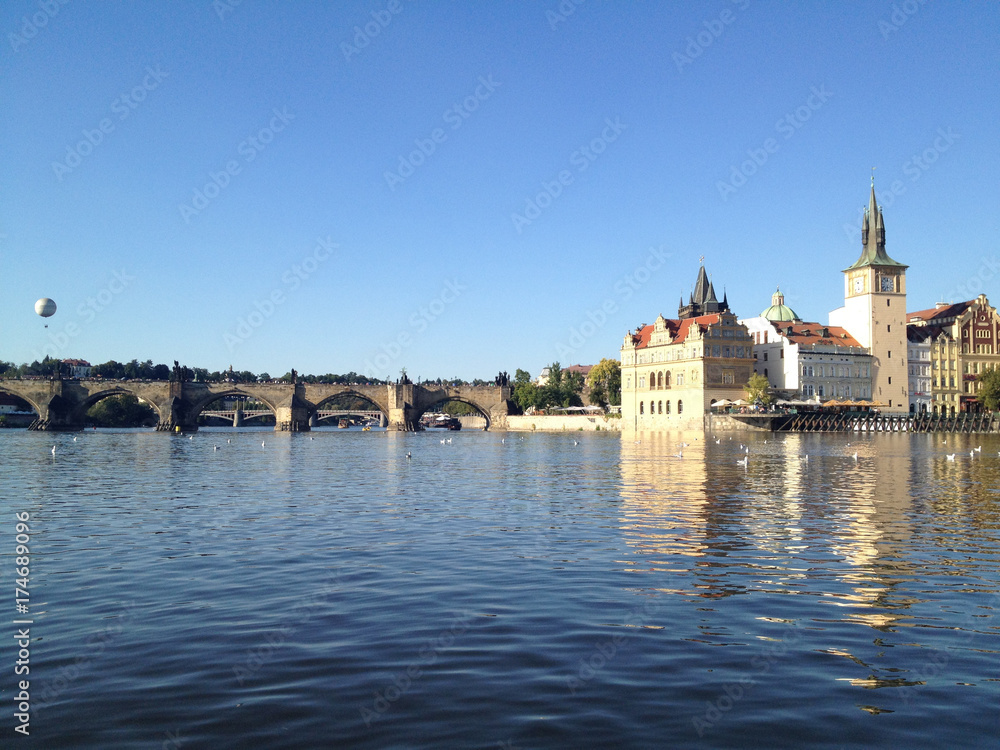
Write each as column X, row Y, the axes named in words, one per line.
column 779, row 311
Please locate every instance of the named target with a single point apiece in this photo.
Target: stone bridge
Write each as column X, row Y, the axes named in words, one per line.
column 63, row 404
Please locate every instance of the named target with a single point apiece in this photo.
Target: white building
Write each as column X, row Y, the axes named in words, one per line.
column 76, row 368
column 811, row 359
column 808, row 359
column 918, row 358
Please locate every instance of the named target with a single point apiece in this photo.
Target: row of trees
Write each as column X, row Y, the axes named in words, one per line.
column 136, row 370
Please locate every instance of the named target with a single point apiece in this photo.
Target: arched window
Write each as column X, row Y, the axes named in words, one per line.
column 652, row 381
column 680, row 406
column 660, row 407
column 668, row 407
column 659, row 380
column 641, row 407
column 668, row 379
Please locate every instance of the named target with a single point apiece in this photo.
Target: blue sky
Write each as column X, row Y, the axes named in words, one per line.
column 461, row 188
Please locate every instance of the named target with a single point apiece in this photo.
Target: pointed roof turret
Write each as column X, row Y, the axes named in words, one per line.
column 711, row 293
column 701, row 287
column 873, row 238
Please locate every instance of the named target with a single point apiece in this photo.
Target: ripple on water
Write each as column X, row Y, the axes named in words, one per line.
column 535, row 592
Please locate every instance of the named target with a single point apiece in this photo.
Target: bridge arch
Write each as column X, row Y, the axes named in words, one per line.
column 350, row 393
column 196, row 408
column 80, row 409
column 430, row 407
column 22, row 397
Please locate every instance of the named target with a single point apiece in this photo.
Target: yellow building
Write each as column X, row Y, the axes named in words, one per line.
column 964, row 343
column 675, row 369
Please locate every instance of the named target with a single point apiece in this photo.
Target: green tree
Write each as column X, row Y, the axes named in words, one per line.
column 525, row 392
column 109, row 369
column 989, row 388
column 121, row 411
column 562, row 389
column 458, row 409
column 758, row 389
column 605, row 381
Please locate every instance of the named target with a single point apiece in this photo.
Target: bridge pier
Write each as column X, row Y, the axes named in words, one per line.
column 292, row 416
column 400, row 420
column 313, row 421
column 48, row 424
column 173, row 414
column 238, row 418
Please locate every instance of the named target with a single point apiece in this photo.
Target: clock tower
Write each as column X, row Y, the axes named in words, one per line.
column 874, row 311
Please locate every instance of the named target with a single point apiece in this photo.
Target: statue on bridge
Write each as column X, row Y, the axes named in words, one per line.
column 502, row 379
column 180, row 374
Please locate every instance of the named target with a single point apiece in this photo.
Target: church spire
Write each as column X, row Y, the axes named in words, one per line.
column 873, row 237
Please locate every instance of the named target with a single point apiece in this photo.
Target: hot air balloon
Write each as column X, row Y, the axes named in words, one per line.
column 46, row 308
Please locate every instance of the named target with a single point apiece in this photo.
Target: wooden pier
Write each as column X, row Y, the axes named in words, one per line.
column 875, row 422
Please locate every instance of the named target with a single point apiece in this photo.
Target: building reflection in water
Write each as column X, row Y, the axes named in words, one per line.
column 802, row 516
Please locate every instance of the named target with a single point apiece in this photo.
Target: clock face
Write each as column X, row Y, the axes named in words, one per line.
column 859, row 285
column 888, row 284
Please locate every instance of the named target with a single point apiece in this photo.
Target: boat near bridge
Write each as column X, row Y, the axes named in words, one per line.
column 440, row 422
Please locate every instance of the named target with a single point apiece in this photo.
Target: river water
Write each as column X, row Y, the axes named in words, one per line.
column 504, row 590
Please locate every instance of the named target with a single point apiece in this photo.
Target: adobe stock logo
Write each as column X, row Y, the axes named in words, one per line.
column 31, row 25
column 582, row 158
column 291, row 280
column 787, row 126
column 123, row 106
column 250, row 148
column 455, row 116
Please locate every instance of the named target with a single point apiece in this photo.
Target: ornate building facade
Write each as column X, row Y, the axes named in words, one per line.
column 963, row 342
column 673, row 370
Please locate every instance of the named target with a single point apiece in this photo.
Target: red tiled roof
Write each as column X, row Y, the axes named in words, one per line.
column 810, row 333
column 678, row 329
column 949, row 311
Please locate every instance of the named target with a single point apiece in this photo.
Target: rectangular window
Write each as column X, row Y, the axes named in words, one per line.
column 727, row 377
